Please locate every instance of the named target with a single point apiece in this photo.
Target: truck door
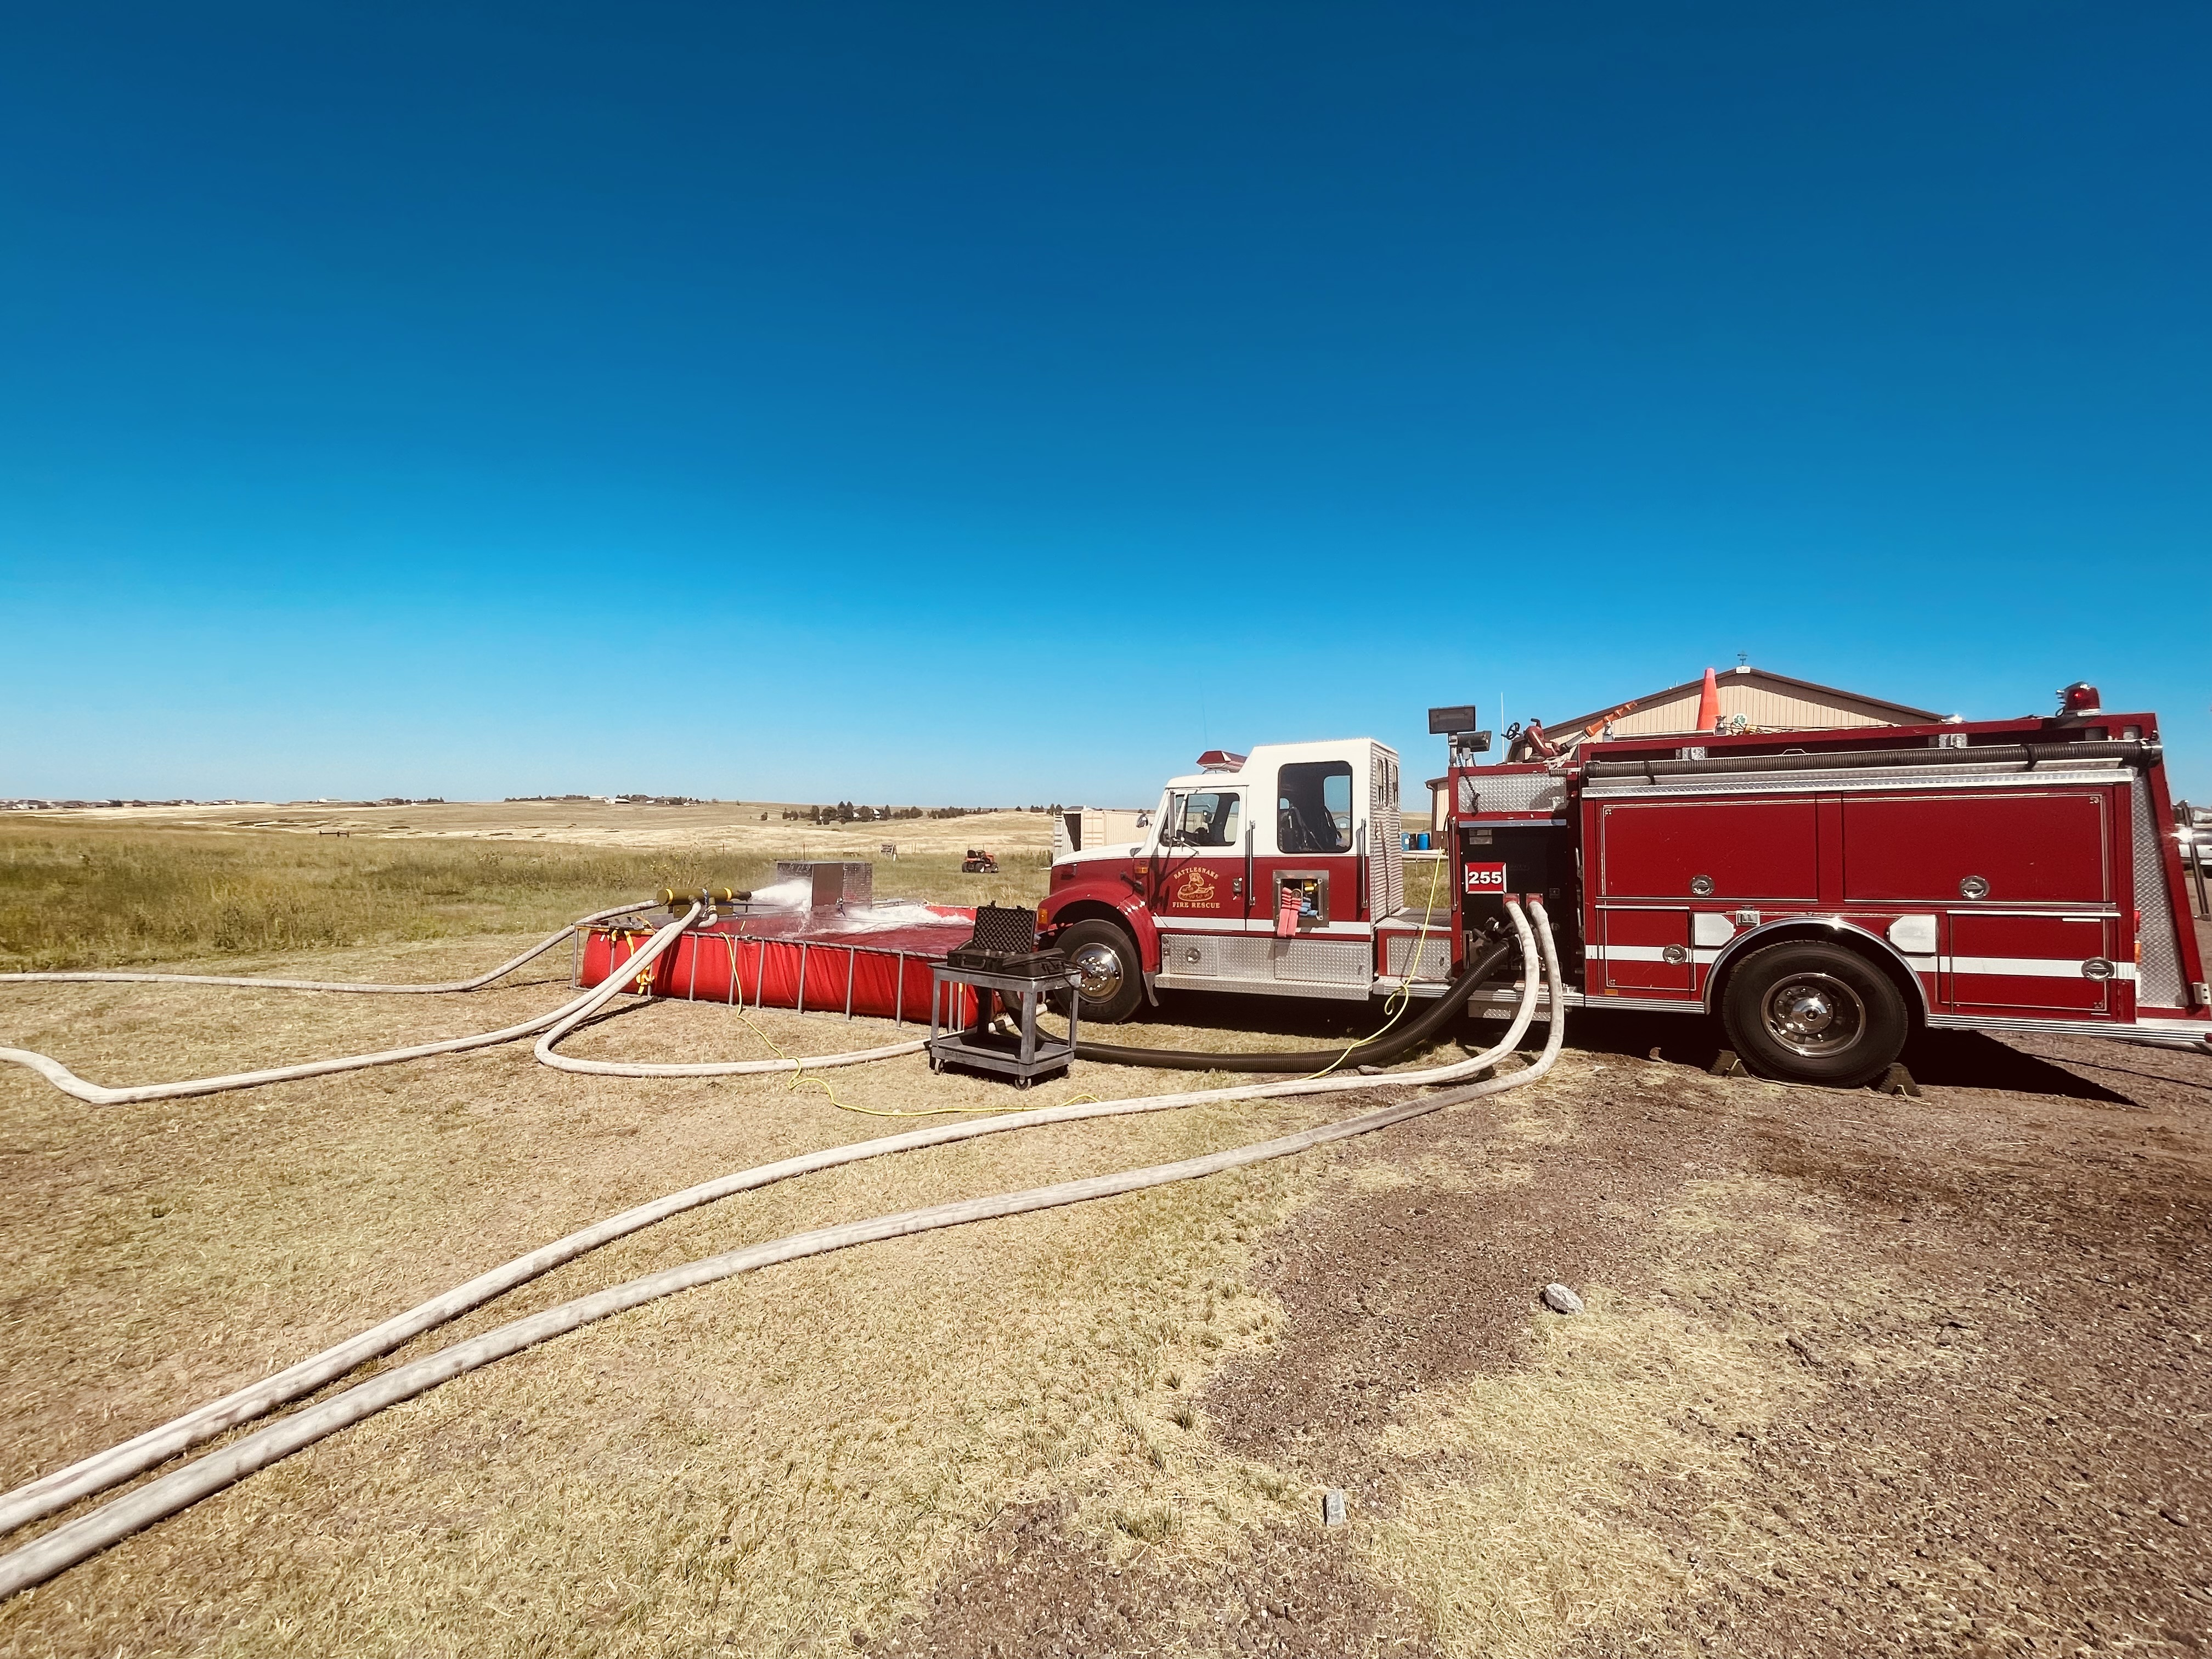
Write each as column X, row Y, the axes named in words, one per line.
column 1198, row 872
column 1306, row 844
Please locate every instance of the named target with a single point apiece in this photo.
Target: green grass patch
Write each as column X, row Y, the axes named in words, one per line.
column 82, row 896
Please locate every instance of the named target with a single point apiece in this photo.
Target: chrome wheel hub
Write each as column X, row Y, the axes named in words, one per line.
column 1099, row 971
column 1814, row 1015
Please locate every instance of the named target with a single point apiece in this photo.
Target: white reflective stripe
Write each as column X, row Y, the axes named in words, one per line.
column 1645, row 953
column 2017, row 967
column 2041, row 915
column 1172, row 924
column 2027, row 967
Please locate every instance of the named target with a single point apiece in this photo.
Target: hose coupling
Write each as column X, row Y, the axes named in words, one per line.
column 679, row 899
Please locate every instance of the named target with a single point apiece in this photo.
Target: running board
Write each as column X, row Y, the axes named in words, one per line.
column 1264, row 988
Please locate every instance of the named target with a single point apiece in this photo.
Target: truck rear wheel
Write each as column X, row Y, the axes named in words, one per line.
column 1810, row 1013
column 1113, row 973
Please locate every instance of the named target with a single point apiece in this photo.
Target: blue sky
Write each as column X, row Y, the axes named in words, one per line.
column 976, row 403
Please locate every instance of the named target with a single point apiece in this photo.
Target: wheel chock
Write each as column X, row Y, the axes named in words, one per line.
column 1725, row 1064
column 1899, row 1081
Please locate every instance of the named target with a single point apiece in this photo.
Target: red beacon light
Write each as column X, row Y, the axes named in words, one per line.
column 2080, row 698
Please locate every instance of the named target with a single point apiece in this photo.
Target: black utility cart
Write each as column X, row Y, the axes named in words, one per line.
column 1000, row 963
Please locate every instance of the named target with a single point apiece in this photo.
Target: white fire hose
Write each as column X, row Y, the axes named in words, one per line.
column 568, row 1022
column 50, row 1493
column 356, row 988
column 66, row 1545
column 566, row 1017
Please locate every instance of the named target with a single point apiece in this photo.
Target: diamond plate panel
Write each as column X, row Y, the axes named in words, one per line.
column 1325, row 961
column 1435, row 959
column 1285, row 961
column 2158, row 975
column 1515, row 791
column 1386, row 859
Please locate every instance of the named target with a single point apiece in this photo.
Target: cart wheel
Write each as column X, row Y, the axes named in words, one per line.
column 1021, row 1083
column 935, row 1064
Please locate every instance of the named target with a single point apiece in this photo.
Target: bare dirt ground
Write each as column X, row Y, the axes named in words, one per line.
column 1859, row 1374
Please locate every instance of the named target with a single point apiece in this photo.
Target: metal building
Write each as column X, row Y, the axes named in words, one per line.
column 1748, row 699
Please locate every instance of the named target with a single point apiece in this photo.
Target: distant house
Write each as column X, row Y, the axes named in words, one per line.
column 1750, row 699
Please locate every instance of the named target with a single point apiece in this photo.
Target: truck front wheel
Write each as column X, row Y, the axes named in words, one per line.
column 1810, row 1013
column 1113, row 974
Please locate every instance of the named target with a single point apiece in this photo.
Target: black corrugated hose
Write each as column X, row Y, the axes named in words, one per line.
column 1380, row 1051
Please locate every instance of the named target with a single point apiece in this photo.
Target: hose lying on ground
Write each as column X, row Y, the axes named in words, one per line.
column 545, row 1056
column 1377, row 1051
column 356, row 988
column 565, row 1020
column 68, row 1544
column 70, row 1084
column 566, row 1017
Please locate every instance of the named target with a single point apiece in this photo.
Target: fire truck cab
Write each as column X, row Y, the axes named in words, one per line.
column 1279, row 872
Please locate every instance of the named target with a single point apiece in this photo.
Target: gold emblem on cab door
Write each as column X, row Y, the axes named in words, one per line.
column 1193, row 889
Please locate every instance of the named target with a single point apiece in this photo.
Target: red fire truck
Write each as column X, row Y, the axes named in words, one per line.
column 1823, row 893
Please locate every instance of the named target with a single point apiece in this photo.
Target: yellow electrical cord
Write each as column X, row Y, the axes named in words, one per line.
column 1397, row 1004
column 1403, row 996
column 799, row 1076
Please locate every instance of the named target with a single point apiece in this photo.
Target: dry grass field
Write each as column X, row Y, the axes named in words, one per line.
column 127, row 885
column 1859, row 1374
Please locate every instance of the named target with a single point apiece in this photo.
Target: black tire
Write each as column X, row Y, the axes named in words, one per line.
column 1808, row 1012
column 1108, row 955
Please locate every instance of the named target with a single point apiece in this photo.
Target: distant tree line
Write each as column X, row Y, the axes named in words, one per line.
column 845, row 811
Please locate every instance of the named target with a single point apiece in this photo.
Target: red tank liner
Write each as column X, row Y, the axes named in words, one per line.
column 794, row 962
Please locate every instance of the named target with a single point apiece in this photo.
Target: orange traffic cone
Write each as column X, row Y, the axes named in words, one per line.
column 1709, row 704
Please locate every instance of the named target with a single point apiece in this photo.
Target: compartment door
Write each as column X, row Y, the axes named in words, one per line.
column 1648, row 951
column 1724, row 850
column 2052, row 964
column 2009, row 847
